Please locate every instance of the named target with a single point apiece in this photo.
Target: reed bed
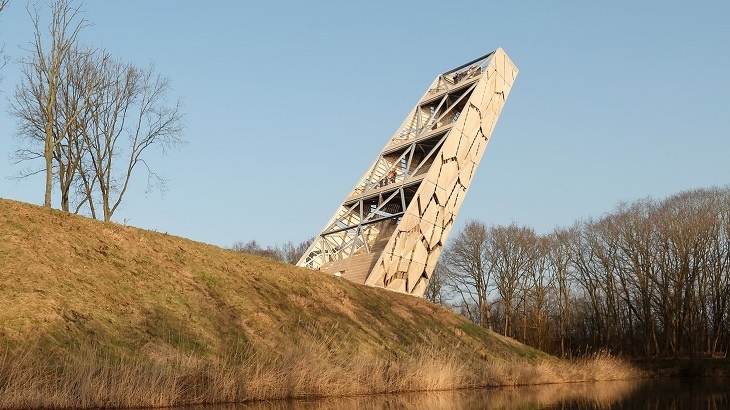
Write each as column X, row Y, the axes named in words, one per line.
column 89, row 378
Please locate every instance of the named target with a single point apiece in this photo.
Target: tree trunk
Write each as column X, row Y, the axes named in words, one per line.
column 48, row 154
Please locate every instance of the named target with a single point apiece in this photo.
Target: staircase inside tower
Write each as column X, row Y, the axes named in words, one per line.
column 357, row 267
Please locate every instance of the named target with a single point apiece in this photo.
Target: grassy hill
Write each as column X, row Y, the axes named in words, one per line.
column 100, row 314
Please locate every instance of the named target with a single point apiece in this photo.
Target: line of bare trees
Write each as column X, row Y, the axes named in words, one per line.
column 651, row 279
column 287, row 253
column 89, row 117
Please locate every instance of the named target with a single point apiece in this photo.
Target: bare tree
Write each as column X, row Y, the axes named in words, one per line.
column 95, row 117
column 636, row 271
column 589, row 280
column 467, row 270
column 538, row 293
column 287, row 253
column 128, row 116
column 252, row 247
column 718, row 282
column 291, row 253
column 81, row 81
column 436, row 285
column 37, row 102
column 606, row 251
column 558, row 259
column 511, row 252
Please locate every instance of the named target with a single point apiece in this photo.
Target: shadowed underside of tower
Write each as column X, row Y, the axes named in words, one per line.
column 390, row 230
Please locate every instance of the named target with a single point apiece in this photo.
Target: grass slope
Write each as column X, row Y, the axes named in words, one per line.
column 70, row 285
column 70, row 279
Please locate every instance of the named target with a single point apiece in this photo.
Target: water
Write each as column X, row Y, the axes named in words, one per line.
column 675, row 394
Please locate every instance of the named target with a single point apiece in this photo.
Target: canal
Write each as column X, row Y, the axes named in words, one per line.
column 654, row 394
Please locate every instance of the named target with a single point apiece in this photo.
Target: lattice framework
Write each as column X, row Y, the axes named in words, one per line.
column 390, row 230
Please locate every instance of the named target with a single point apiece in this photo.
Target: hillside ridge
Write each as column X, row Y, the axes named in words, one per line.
column 73, row 278
column 97, row 314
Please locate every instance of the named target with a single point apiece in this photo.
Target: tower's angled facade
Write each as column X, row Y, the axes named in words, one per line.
column 390, row 230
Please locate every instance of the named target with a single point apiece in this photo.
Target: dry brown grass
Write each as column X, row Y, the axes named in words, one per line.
column 103, row 315
column 89, row 379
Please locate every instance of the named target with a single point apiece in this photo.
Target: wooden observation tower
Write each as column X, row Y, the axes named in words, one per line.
column 390, row 230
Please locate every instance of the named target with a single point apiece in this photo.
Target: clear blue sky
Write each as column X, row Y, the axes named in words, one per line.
column 288, row 103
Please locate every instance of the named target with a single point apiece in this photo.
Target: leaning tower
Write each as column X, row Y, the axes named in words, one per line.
column 390, row 229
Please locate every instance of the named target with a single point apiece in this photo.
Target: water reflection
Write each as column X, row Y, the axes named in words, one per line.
column 678, row 393
column 632, row 394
